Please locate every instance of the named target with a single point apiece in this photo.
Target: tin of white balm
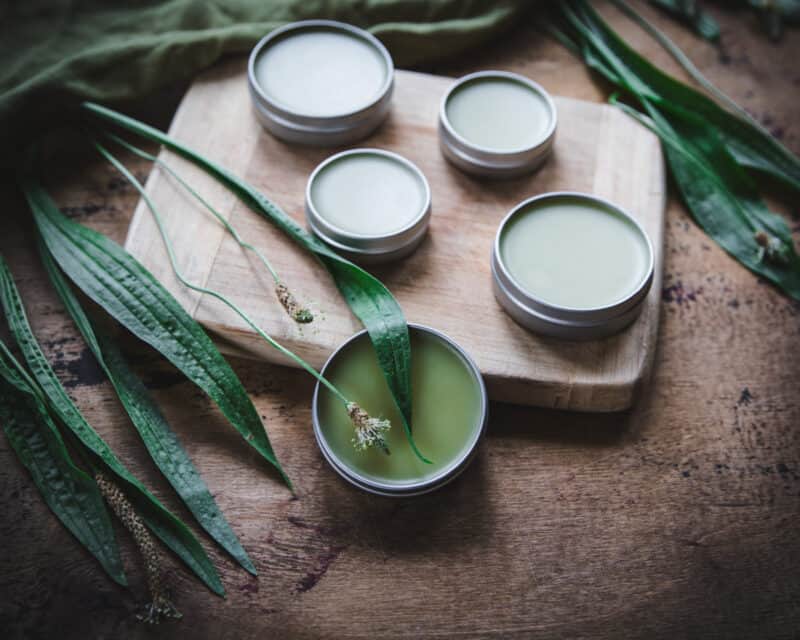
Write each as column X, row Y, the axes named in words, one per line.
column 497, row 124
column 370, row 205
column 320, row 82
column 571, row 265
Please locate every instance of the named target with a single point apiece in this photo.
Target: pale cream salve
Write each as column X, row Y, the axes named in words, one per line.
column 372, row 204
column 497, row 124
column 368, row 193
column 320, row 82
column 575, row 253
column 321, row 72
column 499, row 113
column 572, row 265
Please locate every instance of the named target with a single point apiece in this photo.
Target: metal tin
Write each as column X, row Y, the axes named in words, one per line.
column 371, row 249
column 566, row 322
column 404, row 490
column 299, row 128
column 483, row 161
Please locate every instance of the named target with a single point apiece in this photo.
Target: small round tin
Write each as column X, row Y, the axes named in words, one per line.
column 370, row 205
column 320, row 82
column 407, row 488
column 571, row 322
column 489, row 134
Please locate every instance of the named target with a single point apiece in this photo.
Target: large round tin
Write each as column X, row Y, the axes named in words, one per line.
column 483, row 161
column 364, row 248
column 560, row 321
column 403, row 490
column 296, row 126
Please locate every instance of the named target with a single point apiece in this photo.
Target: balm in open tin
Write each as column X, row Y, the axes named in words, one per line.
column 320, row 82
column 497, row 124
column 449, row 413
column 571, row 265
column 370, row 205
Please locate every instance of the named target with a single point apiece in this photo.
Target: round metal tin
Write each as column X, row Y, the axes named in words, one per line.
column 483, row 161
column 339, row 129
column 370, row 249
column 565, row 322
column 408, row 489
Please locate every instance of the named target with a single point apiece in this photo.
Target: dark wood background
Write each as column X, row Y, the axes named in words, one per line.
column 680, row 518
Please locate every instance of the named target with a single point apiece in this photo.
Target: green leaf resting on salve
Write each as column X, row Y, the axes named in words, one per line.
column 116, row 281
column 162, row 443
column 172, row 532
column 70, row 493
column 366, row 296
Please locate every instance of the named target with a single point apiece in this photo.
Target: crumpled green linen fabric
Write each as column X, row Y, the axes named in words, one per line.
column 54, row 53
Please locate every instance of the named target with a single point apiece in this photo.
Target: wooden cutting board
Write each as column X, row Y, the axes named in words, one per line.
column 446, row 284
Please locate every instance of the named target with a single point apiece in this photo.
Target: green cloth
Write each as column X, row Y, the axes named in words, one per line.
column 57, row 52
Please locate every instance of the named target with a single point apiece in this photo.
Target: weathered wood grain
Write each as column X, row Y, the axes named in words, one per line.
column 677, row 519
column 446, row 283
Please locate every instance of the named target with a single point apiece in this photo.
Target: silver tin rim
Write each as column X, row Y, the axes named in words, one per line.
column 410, row 489
column 371, row 248
column 483, row 161
column 561, row 321
column 300, row 128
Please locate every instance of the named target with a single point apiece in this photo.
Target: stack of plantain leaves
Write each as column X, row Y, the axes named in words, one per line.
column 714, row 153
column 77, row 473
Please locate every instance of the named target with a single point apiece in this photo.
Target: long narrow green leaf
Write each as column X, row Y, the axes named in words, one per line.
column 166, row 526
column 162, row 443
column 682, row 59
column 69, row 492
column 752, row 147
column 116, row 281
column 366, row 296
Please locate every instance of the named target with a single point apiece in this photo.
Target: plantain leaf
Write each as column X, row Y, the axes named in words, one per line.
column 366, row 296
column 162, row 443
column 70, row 493
column 172, row 532
column 116, row 281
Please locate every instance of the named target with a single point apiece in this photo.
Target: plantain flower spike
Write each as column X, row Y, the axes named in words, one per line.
column 369, row 431
column 297, row 312
column 160, row 606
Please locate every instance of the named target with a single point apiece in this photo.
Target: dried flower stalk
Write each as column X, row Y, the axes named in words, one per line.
column 297, row 312
column 160, row 605
column 369, row 431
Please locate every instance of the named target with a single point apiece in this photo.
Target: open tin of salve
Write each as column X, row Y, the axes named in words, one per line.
column 497, row 124
column 320, row 82
column 571, row 265
column 370, row 205
column 449, row 415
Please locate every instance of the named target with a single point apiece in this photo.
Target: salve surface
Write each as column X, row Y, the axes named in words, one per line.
column 446, row 409
column 574, row 253
column 500, row 114
column 368, row 194
column 321, row 72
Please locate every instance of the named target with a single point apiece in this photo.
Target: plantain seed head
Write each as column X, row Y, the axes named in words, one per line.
column 160, row 606
column 369, row 431
column 296, row 311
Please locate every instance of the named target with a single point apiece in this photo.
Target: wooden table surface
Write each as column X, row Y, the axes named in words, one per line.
column 680, row 518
